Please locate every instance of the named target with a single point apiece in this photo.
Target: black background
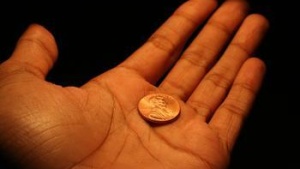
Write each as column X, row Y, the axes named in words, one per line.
column 94, row 37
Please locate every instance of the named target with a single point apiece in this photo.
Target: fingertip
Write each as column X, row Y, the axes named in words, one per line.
column 39, row 34
column 35, row 51
column 258, row 63
column 239, row 5
column 252, row 73
column 259, row 19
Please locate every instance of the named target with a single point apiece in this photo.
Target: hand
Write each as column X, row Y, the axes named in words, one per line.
column 97, row 125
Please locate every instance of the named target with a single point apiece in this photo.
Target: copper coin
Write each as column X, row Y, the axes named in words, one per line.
column 159, row 108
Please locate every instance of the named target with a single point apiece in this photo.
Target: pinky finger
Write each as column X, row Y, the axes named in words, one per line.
column 228, row 118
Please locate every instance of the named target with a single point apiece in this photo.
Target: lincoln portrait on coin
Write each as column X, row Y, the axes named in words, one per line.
column 159, row 109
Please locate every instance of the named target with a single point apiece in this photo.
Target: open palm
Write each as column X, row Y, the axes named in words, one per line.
column 97, row 125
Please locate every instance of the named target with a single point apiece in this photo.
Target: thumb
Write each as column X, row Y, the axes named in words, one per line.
column 35, row 52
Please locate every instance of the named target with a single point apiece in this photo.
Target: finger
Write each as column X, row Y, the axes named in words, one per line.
column 35, row 52
column 202, row 52
column 155, row 57
column 212, row 89
column 229, row 117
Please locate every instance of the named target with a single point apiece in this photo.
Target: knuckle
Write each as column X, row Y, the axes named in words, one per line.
column 162, row 42
column 218, row 80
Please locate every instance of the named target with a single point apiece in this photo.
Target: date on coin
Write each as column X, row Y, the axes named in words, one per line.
column 159, row 108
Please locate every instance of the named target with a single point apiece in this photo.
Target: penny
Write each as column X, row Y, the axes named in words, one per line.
column 159, row 108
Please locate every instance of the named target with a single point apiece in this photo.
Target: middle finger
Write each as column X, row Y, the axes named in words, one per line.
column 200, row 55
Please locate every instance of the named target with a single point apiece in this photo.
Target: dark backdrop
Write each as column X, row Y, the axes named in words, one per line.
column 94, row 37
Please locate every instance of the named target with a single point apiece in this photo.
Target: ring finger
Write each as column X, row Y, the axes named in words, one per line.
column 215, row 85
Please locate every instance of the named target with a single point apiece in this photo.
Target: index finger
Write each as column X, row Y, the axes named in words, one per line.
column 156, row 56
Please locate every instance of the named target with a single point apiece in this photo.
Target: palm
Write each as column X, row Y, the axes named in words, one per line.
column 98, row 125
column 169, row 146
column 71, row 115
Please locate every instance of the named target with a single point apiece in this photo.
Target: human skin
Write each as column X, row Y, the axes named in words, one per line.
column 97, row 125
